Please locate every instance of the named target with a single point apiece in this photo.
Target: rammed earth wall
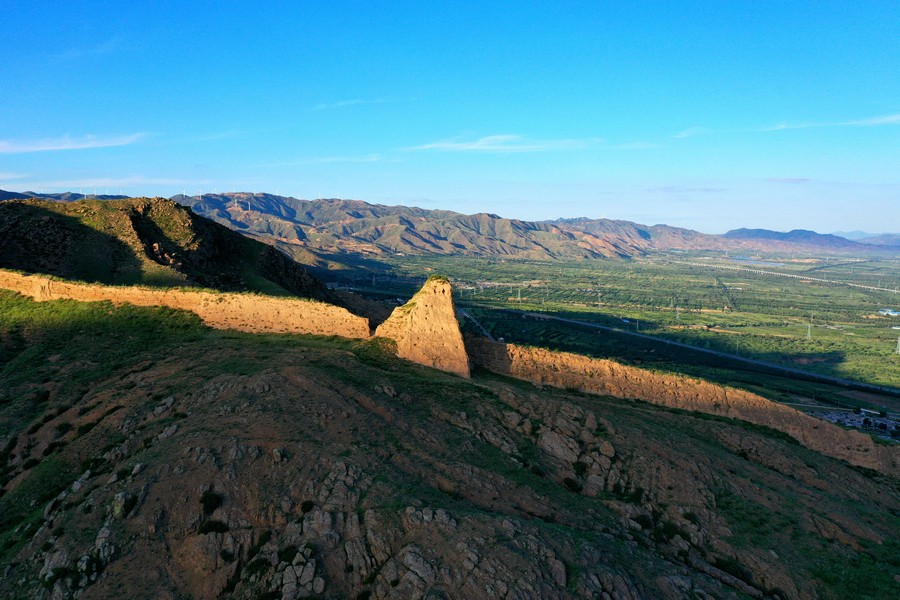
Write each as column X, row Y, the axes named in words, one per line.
column 242, row 312
column 573, row 371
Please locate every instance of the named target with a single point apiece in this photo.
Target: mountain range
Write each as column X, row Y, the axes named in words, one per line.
column 317, row 232
column 336, row 226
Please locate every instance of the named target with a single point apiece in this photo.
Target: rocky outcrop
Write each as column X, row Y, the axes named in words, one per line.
column 576, row 372
column 239, row 311
column 426, row 329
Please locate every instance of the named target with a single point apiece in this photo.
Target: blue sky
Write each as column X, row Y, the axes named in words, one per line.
column 708, row 115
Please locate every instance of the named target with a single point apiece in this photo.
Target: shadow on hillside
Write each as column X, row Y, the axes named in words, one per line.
column 804, row 379
column 37, row 240
column 209, row 262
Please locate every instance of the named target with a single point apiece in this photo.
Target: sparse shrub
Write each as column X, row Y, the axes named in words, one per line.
column 85, row 427
column 307, row 506
column 572, row 484
column 734, row 568
column 288, row 554
column 31, row 462
column 212, row 526
column 256, row 566
column 226, row 555
column 264, row 538
column 210, row 501
column 51, row 447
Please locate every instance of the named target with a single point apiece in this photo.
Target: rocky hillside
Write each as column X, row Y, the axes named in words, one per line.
column 146, row 456
column 143, row 241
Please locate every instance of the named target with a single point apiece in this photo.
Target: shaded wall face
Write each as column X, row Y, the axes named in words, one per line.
column 573, row 371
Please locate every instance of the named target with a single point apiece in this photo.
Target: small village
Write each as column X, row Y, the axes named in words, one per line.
column 869, row 421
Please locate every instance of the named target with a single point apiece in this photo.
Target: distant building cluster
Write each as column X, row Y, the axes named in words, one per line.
column 865, row 420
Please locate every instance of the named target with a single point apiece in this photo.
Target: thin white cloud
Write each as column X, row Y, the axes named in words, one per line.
column 507, row 143
column 6, row 176
column 882, row 120
column 870, row 122
column 67, row 143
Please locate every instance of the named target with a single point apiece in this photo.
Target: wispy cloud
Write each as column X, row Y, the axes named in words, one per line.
column 67, row 143
column 6, row 176
column 873, row 121
column 507, row 143
column 100, row 49
column 870, row 122
column 358, row 102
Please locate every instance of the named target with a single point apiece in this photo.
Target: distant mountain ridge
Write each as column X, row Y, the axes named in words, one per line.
column 329, row 226
column 316, row 231
column 797, row 236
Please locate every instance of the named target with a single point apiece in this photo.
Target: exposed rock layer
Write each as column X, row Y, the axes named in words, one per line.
column 573, row 371
column 426, row 330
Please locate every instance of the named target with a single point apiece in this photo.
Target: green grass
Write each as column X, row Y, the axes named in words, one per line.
column 23, row 507
column 100, row 338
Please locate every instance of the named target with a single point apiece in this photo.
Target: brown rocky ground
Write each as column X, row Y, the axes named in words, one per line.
column 209, row 464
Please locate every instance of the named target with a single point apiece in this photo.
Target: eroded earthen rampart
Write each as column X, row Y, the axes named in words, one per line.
column 573, row 371
column 426, row 329
column 427, row 335
column 242, row 312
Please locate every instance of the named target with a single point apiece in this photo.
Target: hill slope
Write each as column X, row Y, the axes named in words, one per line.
column 146, row 456
column 142, row 241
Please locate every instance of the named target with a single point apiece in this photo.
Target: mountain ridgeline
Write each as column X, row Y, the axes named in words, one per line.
column 318, row 232
column 307, row 228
